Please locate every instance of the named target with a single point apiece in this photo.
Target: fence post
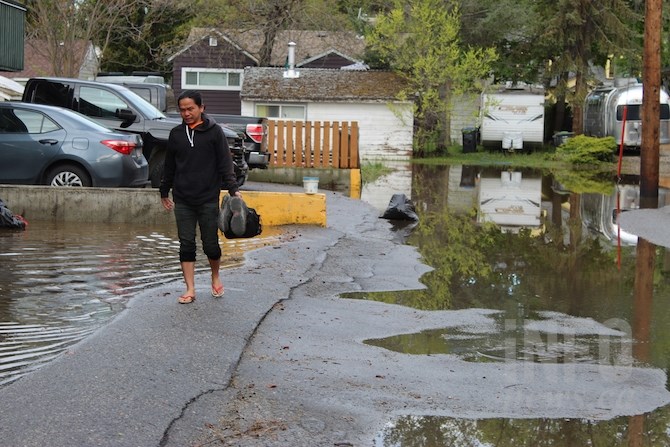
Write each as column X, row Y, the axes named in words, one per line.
column 353, row 146
column 281, row 143
column 344, row 145
column 327, row 156
column 335, row 149
column 290, row 143
column 272, row 142
column 309, row 159
column 318, row 145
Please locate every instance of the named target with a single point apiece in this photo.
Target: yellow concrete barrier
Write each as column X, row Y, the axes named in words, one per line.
column 355, row 184
column 287, row 208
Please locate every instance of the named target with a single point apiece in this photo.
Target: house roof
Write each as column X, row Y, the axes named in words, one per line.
column 269, row 84
column 36, row 60
column 324, row 54
column 309, row 44
column 198, row 34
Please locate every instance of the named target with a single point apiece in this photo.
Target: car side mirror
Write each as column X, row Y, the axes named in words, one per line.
column 126, row 116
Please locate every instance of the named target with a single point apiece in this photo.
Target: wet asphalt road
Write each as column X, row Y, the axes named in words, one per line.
column 279, row 360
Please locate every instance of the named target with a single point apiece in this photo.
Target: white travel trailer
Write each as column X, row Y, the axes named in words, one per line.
column 513, row 118
column 511, row 200
column 604, row 113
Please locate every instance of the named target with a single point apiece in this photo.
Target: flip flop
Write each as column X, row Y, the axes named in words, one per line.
column 217, row 292
column 186, row 299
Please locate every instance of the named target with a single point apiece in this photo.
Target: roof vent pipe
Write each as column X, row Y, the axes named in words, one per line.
column 290, row 71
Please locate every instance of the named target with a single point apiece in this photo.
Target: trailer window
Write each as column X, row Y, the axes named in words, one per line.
column 634, row 112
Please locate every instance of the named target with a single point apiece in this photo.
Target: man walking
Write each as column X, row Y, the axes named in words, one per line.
column 198, row 164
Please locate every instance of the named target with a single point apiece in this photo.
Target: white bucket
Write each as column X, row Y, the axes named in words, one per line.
column 311, row 184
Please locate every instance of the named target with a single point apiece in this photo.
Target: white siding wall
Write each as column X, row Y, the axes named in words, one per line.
column 464, row 113
column 382, row 134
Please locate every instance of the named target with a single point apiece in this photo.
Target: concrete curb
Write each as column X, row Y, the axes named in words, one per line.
column 142, row 206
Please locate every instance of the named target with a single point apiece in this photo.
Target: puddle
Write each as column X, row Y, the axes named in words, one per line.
column 562, row 275
column 60, row 282
column 433, row 431
column 536, row 341
column 552, row 262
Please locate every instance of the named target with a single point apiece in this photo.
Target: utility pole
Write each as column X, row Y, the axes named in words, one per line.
column 645, row 259
column 651, row 108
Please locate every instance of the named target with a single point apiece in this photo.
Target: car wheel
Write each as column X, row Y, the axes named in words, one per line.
column 68, row 175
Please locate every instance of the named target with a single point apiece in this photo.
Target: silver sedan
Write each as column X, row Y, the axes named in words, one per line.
column 45, row 145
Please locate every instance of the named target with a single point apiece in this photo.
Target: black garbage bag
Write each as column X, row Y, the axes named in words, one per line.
column 400, row 208
column 9, row 219
column 402, row 230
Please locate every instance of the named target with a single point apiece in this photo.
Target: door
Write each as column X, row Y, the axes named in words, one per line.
column 29, row 140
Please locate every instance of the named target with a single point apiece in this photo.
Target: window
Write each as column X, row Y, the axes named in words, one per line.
column 99, row 103
column 36, row 122
column 25, row 121
column 281, row 111
column 52, row 93
column 634, row 112
column 211, row 78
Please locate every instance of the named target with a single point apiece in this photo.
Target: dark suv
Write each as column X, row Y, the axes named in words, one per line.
column 116, row 107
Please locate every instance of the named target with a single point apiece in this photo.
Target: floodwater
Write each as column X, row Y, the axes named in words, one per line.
column 545, row 251
column 541, row 248
column 60, row 282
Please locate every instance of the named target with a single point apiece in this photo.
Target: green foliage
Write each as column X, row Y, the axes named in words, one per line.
column 420, row 40
column 454, row 155
column 583, row 150
column 515, row 42
column 371, row 171
column 585, row 181
column 572, row 34
column 542, row 432
column 153, row 32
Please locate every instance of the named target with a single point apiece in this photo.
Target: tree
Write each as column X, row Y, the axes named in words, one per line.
column 61, row 26
column 515, row 42
column 575, row 34
column 270, row 17
column 148, row 35
column 420, row 40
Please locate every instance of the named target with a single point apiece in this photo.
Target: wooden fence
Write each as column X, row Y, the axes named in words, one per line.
column 313, row 144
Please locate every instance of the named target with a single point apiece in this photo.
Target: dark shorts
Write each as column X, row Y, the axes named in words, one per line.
column 206, row 217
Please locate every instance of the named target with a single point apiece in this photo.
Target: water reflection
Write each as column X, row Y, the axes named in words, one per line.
column 570, row 285
column 60, row 282
column 518, row 241
column 433, row 431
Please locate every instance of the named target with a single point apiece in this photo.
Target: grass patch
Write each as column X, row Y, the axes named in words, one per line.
column 544, row 158
column 371, row 171
column 584, row 165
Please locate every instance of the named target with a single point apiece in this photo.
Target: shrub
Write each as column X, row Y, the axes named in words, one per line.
column 583, row 150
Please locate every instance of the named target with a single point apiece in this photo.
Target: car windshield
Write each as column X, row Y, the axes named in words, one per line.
column 145, row 108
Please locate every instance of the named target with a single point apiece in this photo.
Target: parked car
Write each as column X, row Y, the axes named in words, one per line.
column 48, row 145
column 119, row 108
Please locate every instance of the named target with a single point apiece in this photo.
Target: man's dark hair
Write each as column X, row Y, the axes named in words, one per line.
column 194, row 95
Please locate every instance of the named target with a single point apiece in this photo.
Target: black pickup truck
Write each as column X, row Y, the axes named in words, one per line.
column 254, row 128
column 117, row 107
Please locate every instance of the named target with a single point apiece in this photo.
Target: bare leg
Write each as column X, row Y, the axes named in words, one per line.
column 188, row 270
column 217, row 285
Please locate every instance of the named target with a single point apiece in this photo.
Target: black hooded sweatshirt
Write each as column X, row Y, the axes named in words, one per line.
column 198, row 164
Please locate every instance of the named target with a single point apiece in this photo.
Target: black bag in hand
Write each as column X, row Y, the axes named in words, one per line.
column 252, row 220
